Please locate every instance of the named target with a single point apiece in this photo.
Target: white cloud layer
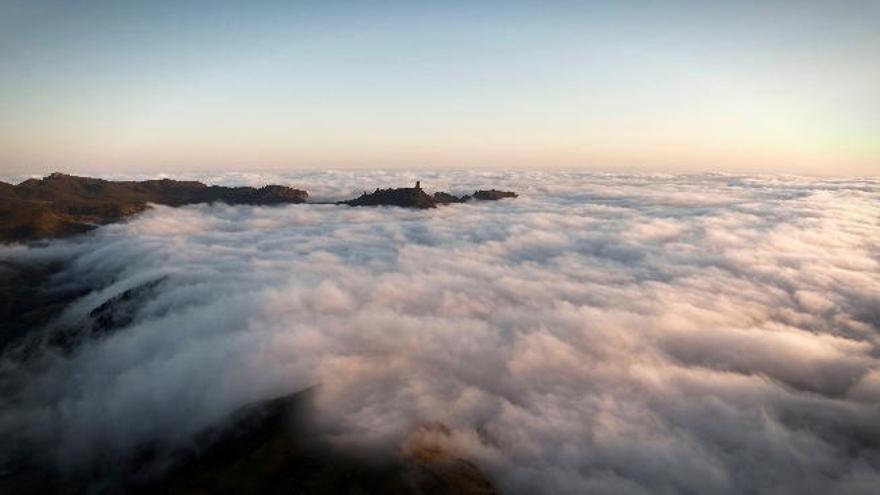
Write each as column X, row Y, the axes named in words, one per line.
column 599, row 334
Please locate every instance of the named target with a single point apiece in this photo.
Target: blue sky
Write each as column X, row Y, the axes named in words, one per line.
column 745, row 86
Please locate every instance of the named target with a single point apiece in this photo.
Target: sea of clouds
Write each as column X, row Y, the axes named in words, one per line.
column 602, row 333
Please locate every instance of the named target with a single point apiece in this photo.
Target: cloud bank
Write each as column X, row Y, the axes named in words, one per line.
column 600, row 334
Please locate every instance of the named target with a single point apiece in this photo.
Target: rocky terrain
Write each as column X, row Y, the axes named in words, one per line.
column 29, row 300
column 408, row 197
column 60, row 205
column 416, row 197
column 493, row 195
column 270, row 446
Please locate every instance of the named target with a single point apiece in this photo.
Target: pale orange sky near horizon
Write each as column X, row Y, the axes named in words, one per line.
column 781, row 87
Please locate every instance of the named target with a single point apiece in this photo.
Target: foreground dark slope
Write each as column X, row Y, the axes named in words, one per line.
column 270, row 446
column 60, row 205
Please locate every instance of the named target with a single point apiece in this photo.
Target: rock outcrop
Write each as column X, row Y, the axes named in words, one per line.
column 408, row 197
column 415, row 197
column 493, row 195
column 60, row 205
column 442, row 198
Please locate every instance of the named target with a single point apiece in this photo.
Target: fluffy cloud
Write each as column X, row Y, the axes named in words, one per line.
column 602, row 333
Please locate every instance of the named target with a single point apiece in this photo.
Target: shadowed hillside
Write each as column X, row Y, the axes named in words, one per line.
column 269, row 446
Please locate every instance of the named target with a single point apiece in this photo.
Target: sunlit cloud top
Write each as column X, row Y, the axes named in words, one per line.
column 790, row 87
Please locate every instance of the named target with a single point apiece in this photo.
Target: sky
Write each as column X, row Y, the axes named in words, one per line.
column 778, row 87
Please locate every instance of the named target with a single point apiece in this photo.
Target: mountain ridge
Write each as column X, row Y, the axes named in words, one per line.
column 61, row 205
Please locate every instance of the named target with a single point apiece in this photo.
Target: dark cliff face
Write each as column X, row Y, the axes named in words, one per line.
column 60, row 205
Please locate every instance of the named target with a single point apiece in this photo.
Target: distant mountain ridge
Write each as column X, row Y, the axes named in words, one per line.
column 416, row 197
column 60, row 205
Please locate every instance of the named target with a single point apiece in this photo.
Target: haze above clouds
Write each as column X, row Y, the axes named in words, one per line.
column 102, row 86
column 604, row 333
